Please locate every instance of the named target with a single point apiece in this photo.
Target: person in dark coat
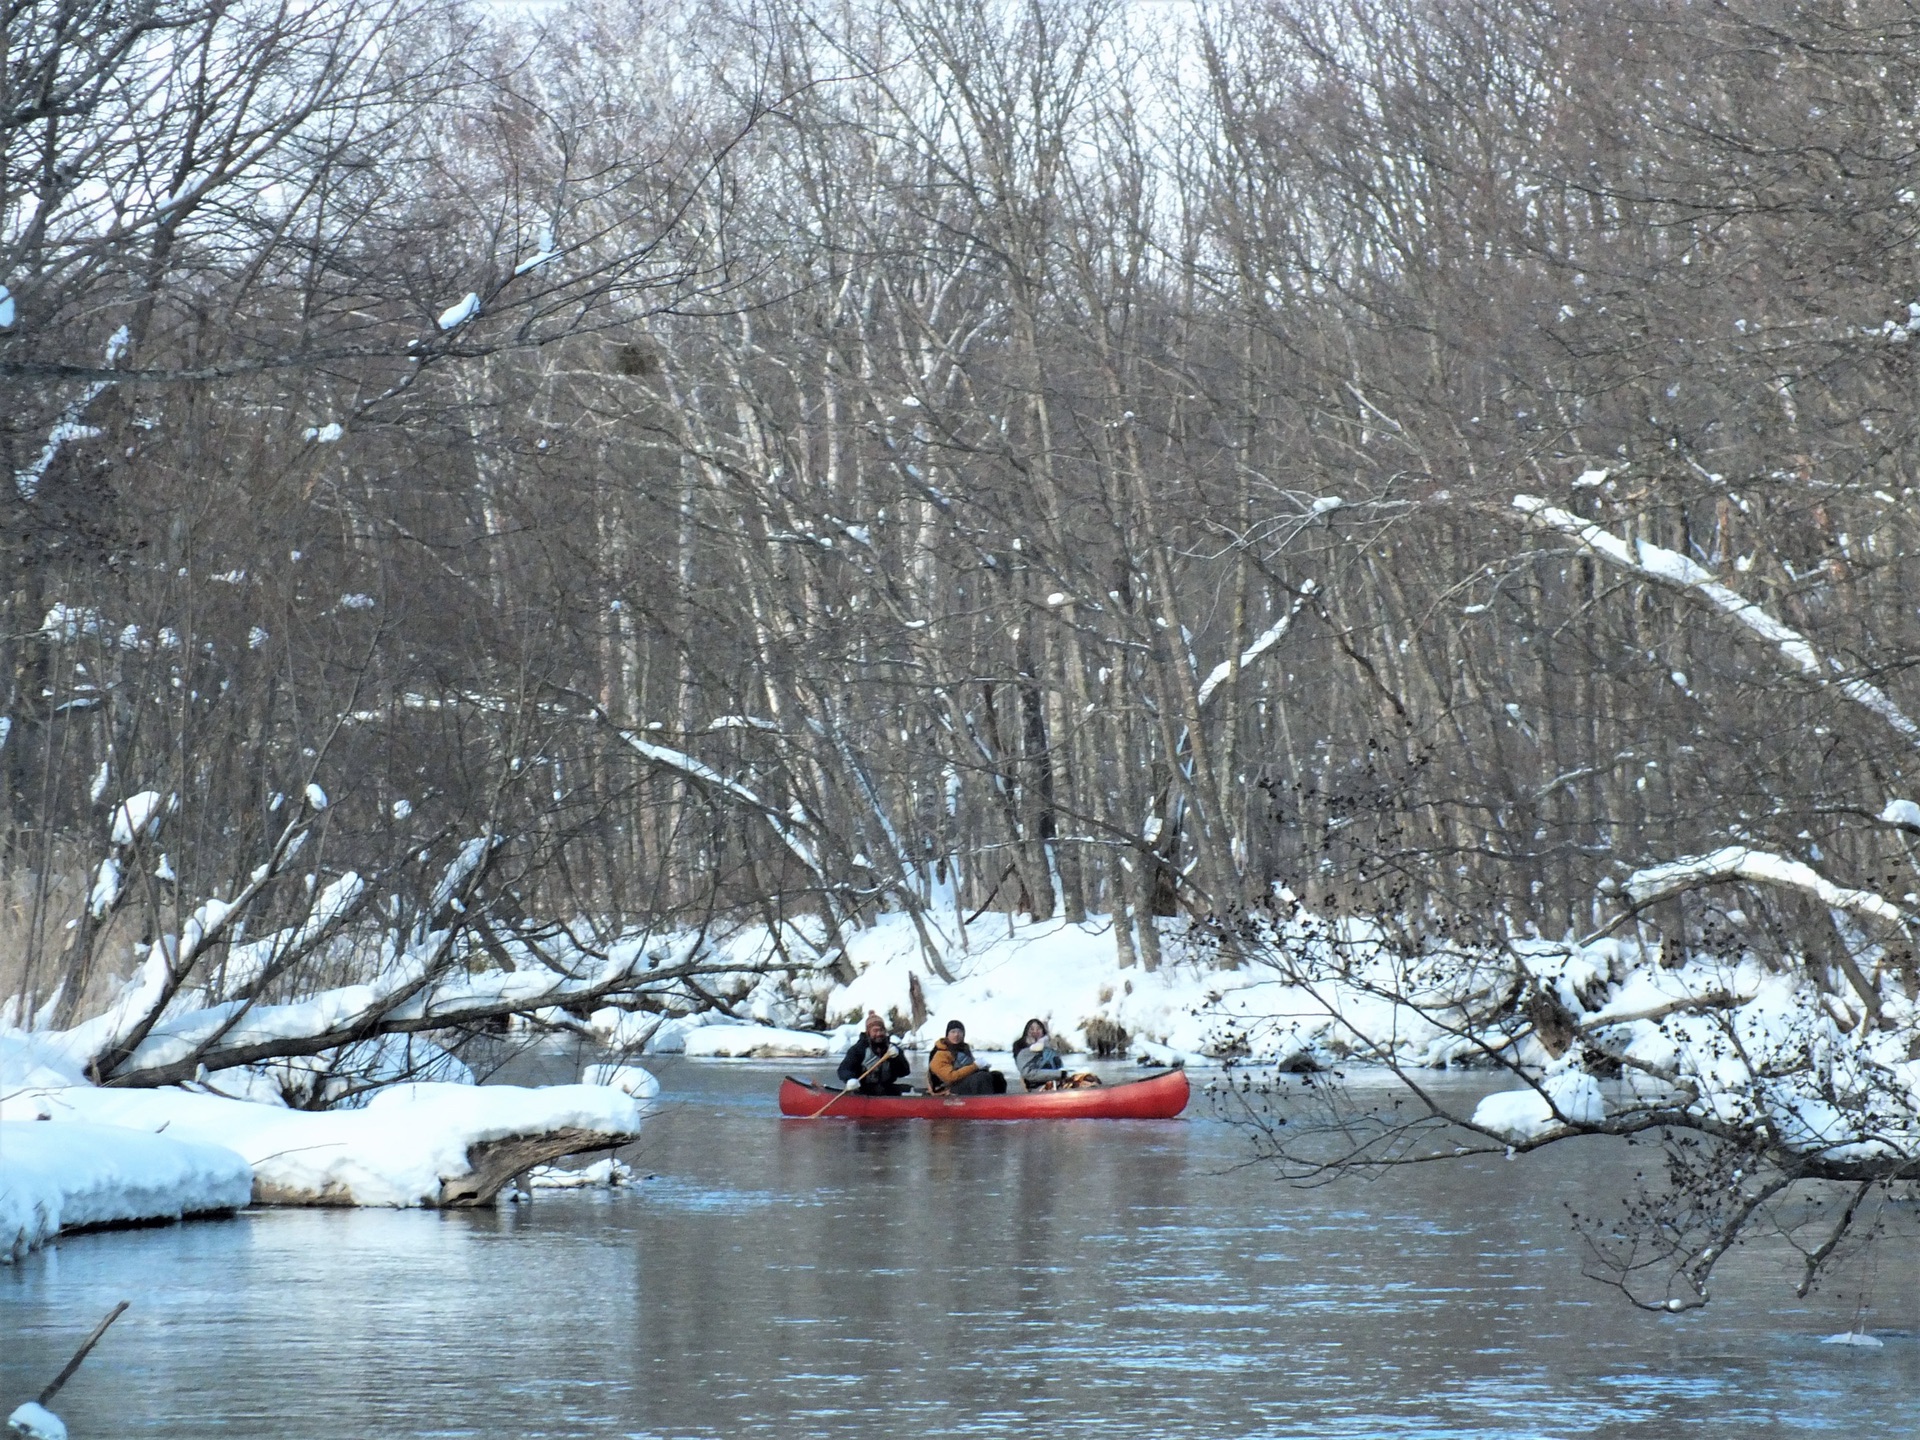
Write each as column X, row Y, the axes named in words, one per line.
column 952, row 1070
column 873, row 1065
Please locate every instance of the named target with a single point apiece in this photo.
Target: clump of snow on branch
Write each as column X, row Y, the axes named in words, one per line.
column 545, row 253
column 1738, row 862
column 1670, row 568
column 1260, row 645
column 106, row 888
column 1901, row 812
column 460, row 312
column 65, row 624
column 139, row 816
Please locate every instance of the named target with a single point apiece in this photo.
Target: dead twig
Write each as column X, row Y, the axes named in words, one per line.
column 46, row 1395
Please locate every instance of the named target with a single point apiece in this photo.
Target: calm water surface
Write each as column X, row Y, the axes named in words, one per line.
column 925, row 1280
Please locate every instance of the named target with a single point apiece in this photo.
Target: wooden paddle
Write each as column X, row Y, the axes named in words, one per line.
column 892, row 1050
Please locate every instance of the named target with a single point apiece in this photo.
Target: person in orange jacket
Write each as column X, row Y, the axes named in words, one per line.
column 952, row 1070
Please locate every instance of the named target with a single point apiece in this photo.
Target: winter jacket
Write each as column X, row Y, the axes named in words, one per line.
column 1040, row 1063
column 886, row 1076
column 949, row 1064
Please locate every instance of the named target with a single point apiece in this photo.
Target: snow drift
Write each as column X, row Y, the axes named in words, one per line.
column 67, row 1177
column 425, row 1144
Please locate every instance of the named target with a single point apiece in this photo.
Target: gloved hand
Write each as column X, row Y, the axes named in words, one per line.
column 852, row 1085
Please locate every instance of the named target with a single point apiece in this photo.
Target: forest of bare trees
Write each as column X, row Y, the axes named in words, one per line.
column 657, row 466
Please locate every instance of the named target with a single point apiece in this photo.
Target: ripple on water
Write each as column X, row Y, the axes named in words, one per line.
column 676, row 1195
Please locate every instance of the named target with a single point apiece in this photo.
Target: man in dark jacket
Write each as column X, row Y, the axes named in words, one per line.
column 874, row 1064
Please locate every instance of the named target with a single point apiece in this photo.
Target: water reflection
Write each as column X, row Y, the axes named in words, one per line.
column 797, row 1279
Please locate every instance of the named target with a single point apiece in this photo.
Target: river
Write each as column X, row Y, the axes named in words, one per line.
column 797, row 1279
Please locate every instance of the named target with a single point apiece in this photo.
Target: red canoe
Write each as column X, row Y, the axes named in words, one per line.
column 1160, row 1098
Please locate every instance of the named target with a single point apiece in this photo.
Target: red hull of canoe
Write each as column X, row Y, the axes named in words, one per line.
column 1160, row 1098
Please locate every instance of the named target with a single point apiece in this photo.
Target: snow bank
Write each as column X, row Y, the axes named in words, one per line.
column 627, row 1079
column 1188, row 1011
column 342, row 1077
column 1065, row 974
column 31, row 1062
column 56, row 1177
column 757, row 1042
column 399, row 1150
column 1734, row 1039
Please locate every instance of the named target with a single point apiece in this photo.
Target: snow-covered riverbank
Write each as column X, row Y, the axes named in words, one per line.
column 1729, row 1037
column 74, row 1155
column 75, row 1176
column 1726, row 1038
column 1006, row 973
column 1189, row 1010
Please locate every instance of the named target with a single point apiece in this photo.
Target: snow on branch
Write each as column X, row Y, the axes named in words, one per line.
column 787, row 824
column 163, row 1032
column 1737, row 862
column 107, row 1039
column 706, row 775
column 405, row 1000
column 26, row 481
column 1676, row 571
column 1262, row 643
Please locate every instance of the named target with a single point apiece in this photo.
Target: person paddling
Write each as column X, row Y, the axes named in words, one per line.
column 873, row 1064
column 1040, row 1064
column 952, row 1070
